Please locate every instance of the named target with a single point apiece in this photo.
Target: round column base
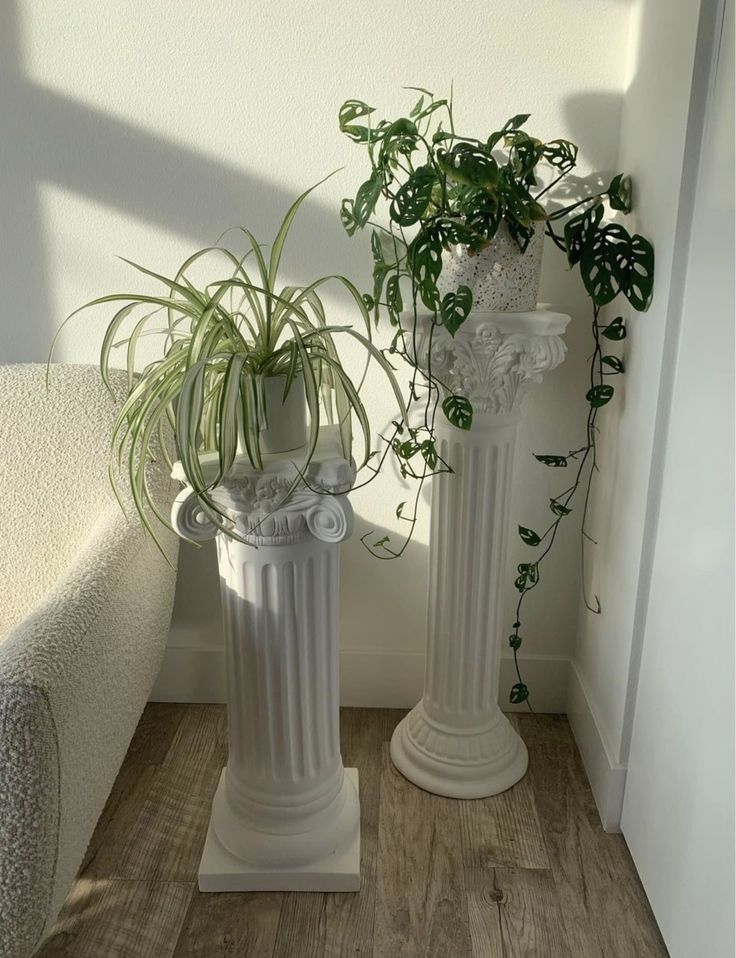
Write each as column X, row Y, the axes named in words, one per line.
column 458, row 762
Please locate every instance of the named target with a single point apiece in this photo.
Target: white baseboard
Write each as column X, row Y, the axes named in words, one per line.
column 373, row 678
column 607, row 777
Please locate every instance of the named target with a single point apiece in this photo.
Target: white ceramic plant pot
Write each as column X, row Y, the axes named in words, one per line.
column 286, row 418
column 501, row 277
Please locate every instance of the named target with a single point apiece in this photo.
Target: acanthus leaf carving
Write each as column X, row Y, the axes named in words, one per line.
column 490, row 367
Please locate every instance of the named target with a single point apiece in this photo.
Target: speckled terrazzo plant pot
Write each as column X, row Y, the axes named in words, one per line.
column 501, row 277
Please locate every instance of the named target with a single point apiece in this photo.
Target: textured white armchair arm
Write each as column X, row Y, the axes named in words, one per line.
column 85, row 612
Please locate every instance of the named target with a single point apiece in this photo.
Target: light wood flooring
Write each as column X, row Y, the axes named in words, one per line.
column 527, row 873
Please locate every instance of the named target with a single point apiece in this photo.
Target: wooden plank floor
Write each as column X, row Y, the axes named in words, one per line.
column 527, row 874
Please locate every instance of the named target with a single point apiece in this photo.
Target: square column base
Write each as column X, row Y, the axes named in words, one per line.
column 220, row 870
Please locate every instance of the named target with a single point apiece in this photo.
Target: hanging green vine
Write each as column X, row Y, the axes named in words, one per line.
column 611, row 263
column 444, row 189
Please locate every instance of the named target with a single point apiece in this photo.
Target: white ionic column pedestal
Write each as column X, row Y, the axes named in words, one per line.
column 457, row 741
column 286, row 814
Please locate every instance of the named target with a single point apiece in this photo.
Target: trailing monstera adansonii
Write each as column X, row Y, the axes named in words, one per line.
column 442, row 188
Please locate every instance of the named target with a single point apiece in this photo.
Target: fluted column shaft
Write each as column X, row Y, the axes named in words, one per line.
column 469, row 531
column 456, row 741
column 280, row 616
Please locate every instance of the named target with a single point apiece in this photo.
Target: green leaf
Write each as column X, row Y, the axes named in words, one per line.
column 524, row 153
column 515, row 122
column 528, row 576
column 459, row 411
column 519, row 693
column 558, row 508
column 619, row 193
column 429, row 453
column 469, row 164
column 510, row 125
column 482, row 212
column 430, row 108
column 417, row 109
column 228, row 413
column 634, row 271
column 614, row 363
column 381, row 542
column 353, row 110
column 394, row 301
column 599, row 395
column 399, row 137
column 347, row 217
column 406, row 449
column 580, row 230
column 376, row 247
column 188, row 417
column 556, row 461
column 411, row 202
column 366, row 199
column 561, row 154
column 515, row 642
column 380, row 271
column 399, row 128
column 518, row 204
column 400, row 509
column 522, row 235
column 452, row 232
column 616, row 262
column 598, row 262
column 425, row 261
column 529, row 536
column 615, row 329
column 378, row 356
column 455, row 308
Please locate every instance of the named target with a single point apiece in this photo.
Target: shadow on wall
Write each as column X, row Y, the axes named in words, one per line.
column 599, row 112
column 197, row 620
column 398, row 581
column 58, row 140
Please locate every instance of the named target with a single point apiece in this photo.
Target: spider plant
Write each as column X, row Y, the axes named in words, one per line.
column 221, row 342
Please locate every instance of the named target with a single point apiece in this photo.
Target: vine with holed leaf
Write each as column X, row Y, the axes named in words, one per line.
column 449, row 189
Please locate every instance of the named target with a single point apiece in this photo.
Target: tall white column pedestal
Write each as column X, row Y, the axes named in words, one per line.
column 286, row 814
column 457, row 742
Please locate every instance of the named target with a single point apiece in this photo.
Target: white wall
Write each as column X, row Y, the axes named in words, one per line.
column 678, row 815
column 146, row 128
column 653, row 144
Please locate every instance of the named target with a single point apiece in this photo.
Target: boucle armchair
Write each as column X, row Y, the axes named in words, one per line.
column 85, row 606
